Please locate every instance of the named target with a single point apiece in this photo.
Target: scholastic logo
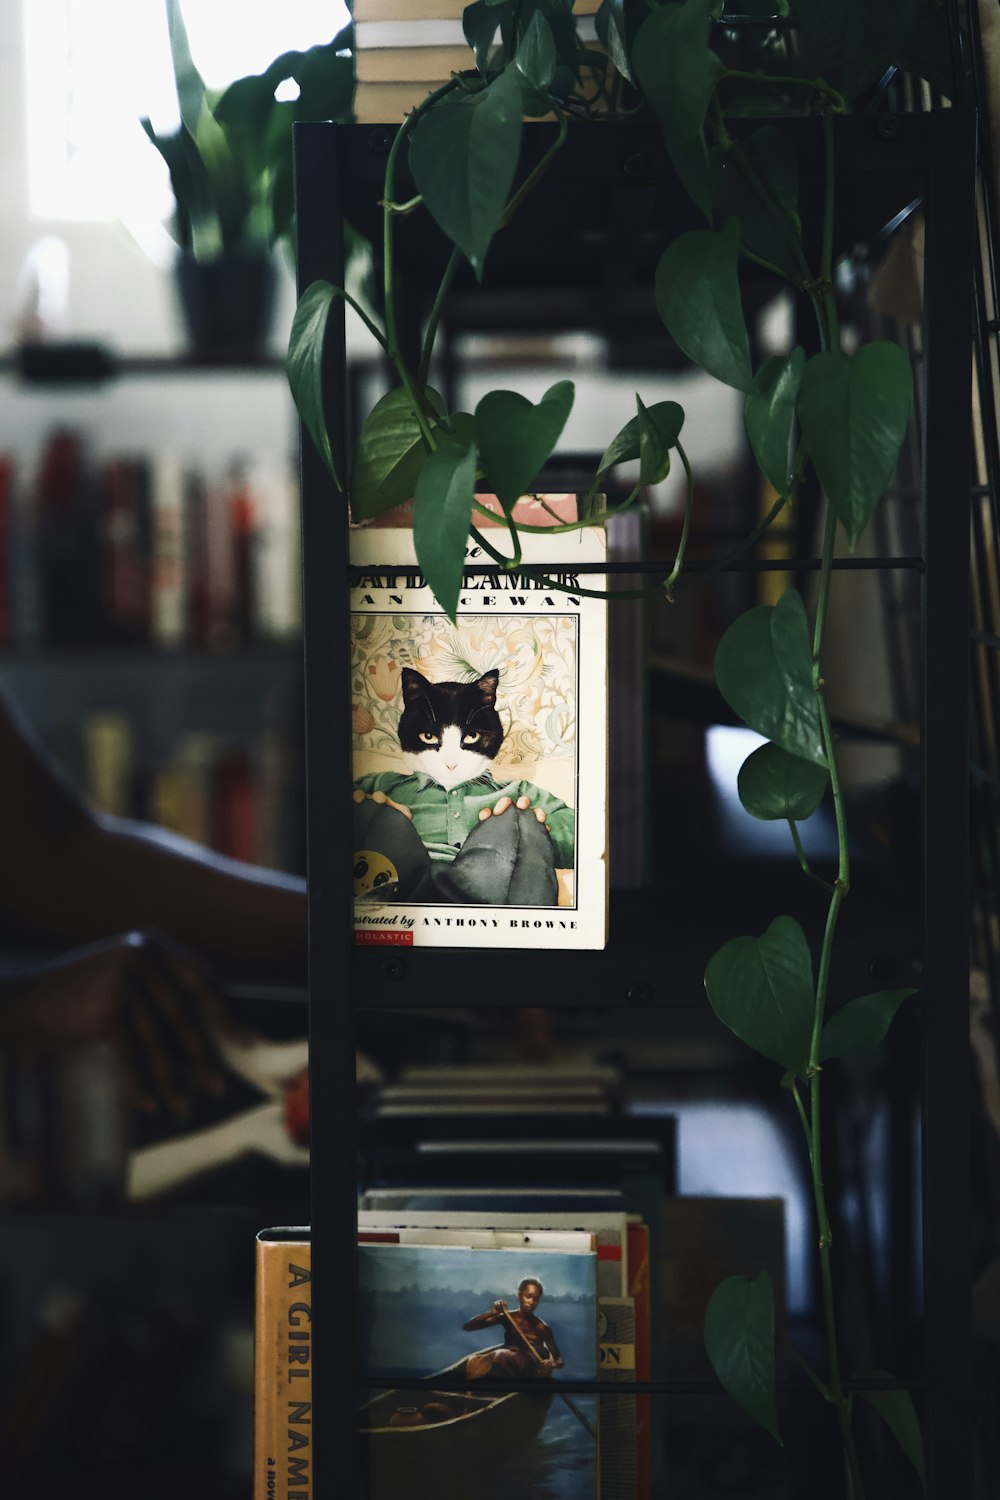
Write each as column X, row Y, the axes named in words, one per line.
column 384, row 939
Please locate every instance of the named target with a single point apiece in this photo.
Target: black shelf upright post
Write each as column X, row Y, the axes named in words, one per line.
column 337, row 1470
column 947, row 481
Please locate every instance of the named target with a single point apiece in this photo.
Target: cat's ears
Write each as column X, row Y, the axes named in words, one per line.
column 413, row 683
column 487, row 685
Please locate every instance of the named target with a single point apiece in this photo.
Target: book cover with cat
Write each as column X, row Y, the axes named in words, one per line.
column 480, row 744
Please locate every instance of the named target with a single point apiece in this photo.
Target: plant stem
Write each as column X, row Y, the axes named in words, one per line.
column 555, row 584
column 796, row 840
column 674, row 574
column 455, row 259
column 372, row 327
column 430, row 333
column 835, row 101
column 538, row 172
column 388, row 263
column 781, row 220
column 561, row 527
column 817, row 1380
column 826, row 311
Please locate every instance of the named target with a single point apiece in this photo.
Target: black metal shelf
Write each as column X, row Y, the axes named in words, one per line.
column 571, row 239
column 79, row 362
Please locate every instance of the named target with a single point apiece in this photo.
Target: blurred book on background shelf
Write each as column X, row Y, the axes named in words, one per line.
column 147, row 549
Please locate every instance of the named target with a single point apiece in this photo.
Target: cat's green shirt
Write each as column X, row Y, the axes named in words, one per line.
column 445, row 819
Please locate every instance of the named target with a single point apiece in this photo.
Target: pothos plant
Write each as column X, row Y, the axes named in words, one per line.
column 727, row 90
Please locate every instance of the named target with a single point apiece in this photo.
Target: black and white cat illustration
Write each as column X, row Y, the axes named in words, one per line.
column 450, row 731
column 442, row 828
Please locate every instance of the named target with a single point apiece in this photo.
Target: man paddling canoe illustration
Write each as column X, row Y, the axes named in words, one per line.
column 529, row 1347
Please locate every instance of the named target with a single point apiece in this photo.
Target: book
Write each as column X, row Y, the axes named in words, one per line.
column 434, row 1310
column 616, row 1313
column 387, row 103
column 504, row 1200
column 479, row 820
column 545, row 1241
column 108, row 750
column 283, row 1416
column 610, row 1230
column 404, row 13
column 399, row 62
column 617, row 1414
column 395, row 64
column 638, row 1282
column 128, row 544
column 167, row 622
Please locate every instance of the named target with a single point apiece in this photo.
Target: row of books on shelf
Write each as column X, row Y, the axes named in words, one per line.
column 146, row 550
column 506, row 1262
column 232, row 795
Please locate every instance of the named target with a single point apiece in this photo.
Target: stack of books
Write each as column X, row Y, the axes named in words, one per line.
column 487, row 1254
column 407, row 48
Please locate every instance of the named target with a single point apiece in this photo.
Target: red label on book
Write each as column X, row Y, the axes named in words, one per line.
column 390, row 938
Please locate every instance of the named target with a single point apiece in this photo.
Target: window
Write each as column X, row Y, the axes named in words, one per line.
column 95, row 67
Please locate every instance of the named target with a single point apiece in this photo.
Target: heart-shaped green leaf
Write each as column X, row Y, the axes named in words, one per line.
column 536, row 53
column 927, row 49
column 442, row 511
column 479, row 26
column 515, row 437
column 389, row 455
column 677, row 71
column 668, row 419
column 769, row 412
column 612, row 34
column 770, row 229
column 861, row 1023
column 773, row 784
column 762, row 989
column 739, row 1341
column 305, row 364
column 899, row 1414
column 698, row 298
column 854, row 410
column 852, row 41
column 764, row 670
column 463, row 156
column 654, row 446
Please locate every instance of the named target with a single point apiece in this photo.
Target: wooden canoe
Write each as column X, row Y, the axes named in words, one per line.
column 458, row 1431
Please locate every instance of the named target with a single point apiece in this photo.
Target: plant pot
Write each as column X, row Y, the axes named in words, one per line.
column 227, row 305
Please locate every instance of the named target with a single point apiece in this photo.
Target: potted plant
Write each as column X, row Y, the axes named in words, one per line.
column 725, row 91
column 230, row 164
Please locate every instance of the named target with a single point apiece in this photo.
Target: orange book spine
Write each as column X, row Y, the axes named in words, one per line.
column 283, row 1413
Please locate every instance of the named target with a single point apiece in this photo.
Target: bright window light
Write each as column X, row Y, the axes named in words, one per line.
column 95, row 67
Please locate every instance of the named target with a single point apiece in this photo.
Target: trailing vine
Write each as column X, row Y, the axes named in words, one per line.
column 726, row 87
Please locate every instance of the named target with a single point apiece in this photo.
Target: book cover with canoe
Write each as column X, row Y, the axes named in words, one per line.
column 480, row 744
column 479, row 1320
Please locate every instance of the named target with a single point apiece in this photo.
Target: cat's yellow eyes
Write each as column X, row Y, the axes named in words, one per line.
column 427, row 739
column 470, row 737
